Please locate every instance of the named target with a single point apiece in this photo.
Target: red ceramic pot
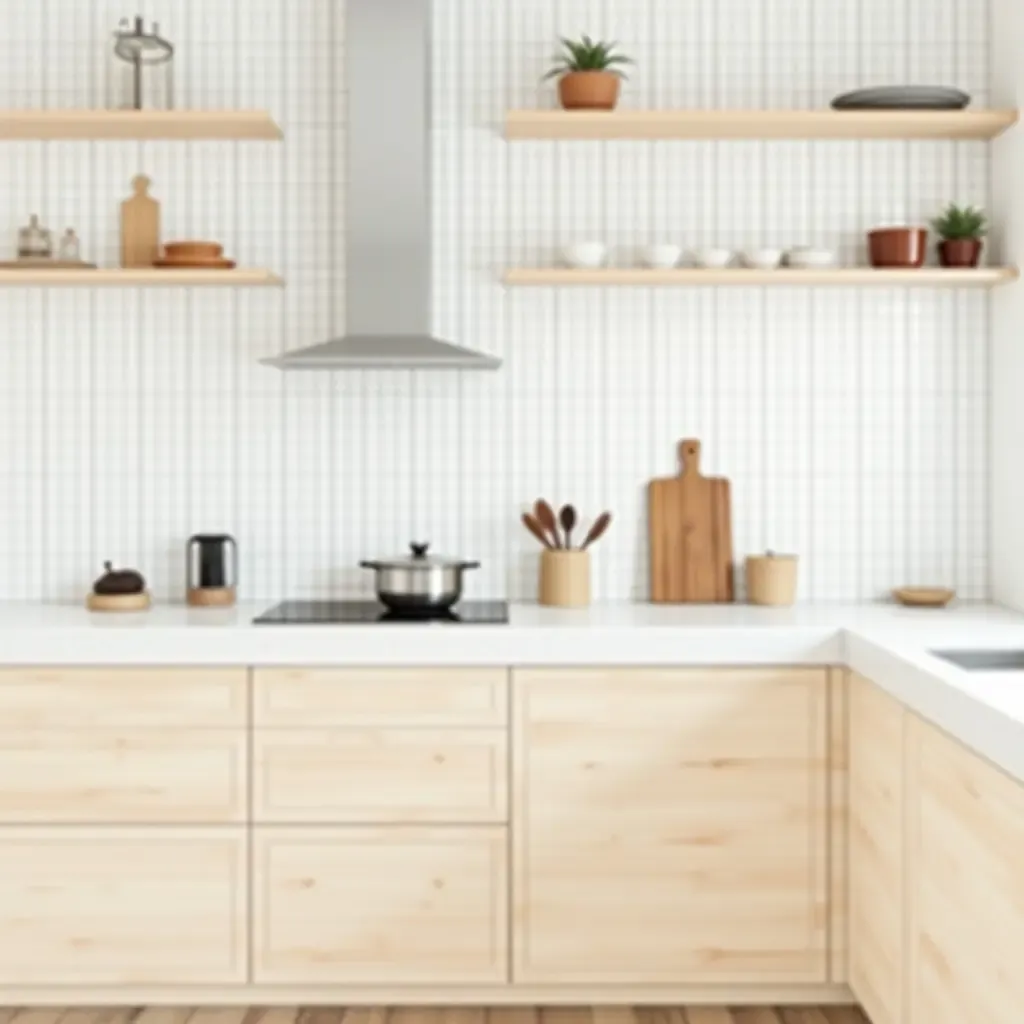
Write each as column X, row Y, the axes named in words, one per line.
column 898, row 247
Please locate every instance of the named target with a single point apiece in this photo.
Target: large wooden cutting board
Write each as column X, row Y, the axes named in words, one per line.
column 691, row 534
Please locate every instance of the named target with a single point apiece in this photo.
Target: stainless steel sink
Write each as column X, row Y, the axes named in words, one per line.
column 984, row 661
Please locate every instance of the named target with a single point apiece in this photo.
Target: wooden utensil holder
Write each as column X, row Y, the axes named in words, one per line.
column 564, row 579
column 771, row 579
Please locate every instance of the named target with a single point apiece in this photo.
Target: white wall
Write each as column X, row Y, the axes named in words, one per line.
column 853, row 424
column 1008, row 320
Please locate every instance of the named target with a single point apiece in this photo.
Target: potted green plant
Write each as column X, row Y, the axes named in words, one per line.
column 588, row 74
column 961, row 229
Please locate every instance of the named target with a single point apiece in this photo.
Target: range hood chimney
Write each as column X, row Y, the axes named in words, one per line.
column 387, row 229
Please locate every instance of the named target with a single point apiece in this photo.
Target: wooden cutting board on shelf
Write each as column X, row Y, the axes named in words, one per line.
column 691, row 534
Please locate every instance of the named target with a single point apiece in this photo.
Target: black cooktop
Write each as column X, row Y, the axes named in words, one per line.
column 360, row 613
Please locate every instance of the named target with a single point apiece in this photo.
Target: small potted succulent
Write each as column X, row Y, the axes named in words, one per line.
column 588, row 74
column 961, row 229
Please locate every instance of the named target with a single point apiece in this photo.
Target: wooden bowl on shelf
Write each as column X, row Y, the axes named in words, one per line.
column 193, row 250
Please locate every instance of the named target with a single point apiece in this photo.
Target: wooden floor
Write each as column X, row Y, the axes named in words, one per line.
column 437, row 1015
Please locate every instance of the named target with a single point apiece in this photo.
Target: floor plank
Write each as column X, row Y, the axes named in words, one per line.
column 354, row 1015
column 513, row 1015
column 842, row 1015
column 48, row 1015
column 803, row 1015
column 150, row 1015
column 755, row 1015
column 707, row 1015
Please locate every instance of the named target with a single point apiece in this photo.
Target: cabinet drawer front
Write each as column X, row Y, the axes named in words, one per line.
column 412, row 905
column 380, row 696
column 371, row 775
column 122, row 906
column 80, row 698
column 141, row 776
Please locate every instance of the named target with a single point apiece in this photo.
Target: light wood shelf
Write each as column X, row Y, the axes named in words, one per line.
column 93, row 125
column 927, row 277
column 139, row 278
column 758, row 124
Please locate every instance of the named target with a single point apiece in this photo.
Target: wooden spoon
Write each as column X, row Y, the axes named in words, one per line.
column 537, row 530
column 597, row 531
column 545, row 515
column 567, row 517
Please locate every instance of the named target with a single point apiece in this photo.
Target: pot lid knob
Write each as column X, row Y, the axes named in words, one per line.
column 419, row 550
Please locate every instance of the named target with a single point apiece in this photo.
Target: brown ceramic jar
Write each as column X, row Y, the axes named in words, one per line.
column 898, row 247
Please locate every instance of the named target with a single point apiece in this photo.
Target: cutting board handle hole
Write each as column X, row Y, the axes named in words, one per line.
column 689, row 456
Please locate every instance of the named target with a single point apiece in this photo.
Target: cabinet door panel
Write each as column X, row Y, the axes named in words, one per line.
column 123, row 777
column 90, row 698
column 122, row 906
column 386, row 775
column 967, row 885
column 403, row 905
column 876, row 851
column 670, row 826
column 388, row 697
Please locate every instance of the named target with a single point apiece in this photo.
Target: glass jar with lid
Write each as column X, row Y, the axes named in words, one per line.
column 140, row 71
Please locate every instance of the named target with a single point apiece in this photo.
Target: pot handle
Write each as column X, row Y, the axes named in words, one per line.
column 469, row 565
column 369, row 565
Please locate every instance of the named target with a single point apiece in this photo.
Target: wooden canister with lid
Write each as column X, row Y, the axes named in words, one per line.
column 771, row 579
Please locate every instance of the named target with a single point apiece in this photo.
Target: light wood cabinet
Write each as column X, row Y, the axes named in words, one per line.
column 966, row 881
column 670, row 826
column 414, row 905
column 123, row 777
column 876, row 851
column 380, row 775
column 388, row 698
column 122, row 906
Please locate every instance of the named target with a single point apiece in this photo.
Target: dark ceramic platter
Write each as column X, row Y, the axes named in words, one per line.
column 903, row 97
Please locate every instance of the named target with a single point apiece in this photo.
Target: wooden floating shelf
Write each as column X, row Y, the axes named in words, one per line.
column 758, row 124
column 139, row 278
column 97, row 125
column 928, row 277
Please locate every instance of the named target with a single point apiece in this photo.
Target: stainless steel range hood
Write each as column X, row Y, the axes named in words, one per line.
column 387, row 217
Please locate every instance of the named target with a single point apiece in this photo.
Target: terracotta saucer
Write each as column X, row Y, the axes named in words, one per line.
column 195, row 263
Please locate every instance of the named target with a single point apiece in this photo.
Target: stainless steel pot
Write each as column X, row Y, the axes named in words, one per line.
column 419, row 582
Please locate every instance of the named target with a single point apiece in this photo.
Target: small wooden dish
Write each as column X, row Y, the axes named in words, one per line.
column 924, row 597
column 38, row 263
column 194, row 263
column 118, row 602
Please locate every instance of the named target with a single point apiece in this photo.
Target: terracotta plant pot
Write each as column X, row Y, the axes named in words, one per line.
column 960, row 252
column 897, row 247
column 589, row 90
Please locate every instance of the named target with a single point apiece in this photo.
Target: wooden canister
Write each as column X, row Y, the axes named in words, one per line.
column 771, row 579
column 564, row 579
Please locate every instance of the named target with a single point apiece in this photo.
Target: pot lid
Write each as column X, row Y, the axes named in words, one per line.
column 419, row 559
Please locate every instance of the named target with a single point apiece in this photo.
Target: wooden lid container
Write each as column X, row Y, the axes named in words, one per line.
column 771, row 579
column 564, row 579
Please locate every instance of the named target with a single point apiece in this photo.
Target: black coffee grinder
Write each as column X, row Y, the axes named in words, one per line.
column 212, row 570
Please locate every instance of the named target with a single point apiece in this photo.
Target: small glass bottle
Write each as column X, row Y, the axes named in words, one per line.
column 34, row 241
column 70, row 247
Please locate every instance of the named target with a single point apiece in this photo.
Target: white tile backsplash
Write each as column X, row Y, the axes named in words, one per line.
column 851, row 423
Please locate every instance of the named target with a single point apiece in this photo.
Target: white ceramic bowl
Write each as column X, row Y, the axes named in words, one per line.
column 808, row 258
column 585, row 255
column 762, row 259
column 661, row 257
column 712, row 259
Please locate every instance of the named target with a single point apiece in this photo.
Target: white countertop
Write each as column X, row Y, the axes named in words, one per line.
column 886, row 643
